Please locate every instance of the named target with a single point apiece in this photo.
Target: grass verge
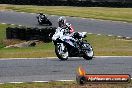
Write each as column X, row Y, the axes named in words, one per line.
column 103, row 45
column 105, row 13
column 64, row 85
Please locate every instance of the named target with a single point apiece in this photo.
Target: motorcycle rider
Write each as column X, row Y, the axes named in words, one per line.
column 67, row 26
column 69, row 30
column 41, row 16
column 62, row 25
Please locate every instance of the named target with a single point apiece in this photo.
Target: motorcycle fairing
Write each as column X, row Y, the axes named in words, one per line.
column 69, row 40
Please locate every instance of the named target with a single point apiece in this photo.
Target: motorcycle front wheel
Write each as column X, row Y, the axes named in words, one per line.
column 88, row 52
column 40, row 23
column 61, row 53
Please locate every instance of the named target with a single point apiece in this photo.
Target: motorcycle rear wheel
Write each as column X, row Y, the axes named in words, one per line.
column 49, row 23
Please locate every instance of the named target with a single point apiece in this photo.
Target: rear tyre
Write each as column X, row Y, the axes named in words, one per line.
column 49, row 23
column 61, row 54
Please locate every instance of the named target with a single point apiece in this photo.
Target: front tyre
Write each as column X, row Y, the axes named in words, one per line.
column 40, row 23
column 61, row 51
column 88, row 52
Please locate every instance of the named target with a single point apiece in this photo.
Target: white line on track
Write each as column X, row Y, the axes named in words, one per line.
column 32, row 13
column 57, row 57
column 53, row 15
column 42, row 81
column 12, row 24
column 90, row 33
column 22, row 12
column 15, row 82
column 84, row 18
column 110, row 35
column 98, row 34
column 3, row 23
column 95, row 57
column 65, row 80
column 20, row 25
column 111, row 56
column 124, row 22
column 128, row 37
column 92, row 19
column 119, row 36
column 23, row 58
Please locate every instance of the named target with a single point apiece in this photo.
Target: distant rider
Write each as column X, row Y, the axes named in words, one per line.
column 41, row 16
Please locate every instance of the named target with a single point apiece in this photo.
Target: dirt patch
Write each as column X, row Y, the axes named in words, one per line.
column 23, row 44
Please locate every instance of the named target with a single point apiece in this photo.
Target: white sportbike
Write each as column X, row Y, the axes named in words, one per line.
column 71, row 45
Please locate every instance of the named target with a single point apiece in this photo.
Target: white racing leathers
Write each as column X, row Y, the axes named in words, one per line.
column 67, row 45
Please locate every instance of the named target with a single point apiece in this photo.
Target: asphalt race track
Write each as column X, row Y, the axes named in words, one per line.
column 80, row 24
column 44, row 69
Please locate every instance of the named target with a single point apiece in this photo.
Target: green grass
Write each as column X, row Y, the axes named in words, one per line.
column 63, row 85
column 2, row 34
column 41, row 50
column 102, row 45
column 106, row 13
column 2, row 31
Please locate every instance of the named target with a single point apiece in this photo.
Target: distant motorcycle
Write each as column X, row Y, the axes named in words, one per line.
column 43, row 20
column 71, row 45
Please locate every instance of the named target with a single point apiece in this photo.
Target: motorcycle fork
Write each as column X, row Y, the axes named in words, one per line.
column 62, row 49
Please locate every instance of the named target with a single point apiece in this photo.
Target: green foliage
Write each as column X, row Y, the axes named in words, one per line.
column 2, row 45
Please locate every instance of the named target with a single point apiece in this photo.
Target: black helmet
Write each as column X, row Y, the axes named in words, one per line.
column 41, row 13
